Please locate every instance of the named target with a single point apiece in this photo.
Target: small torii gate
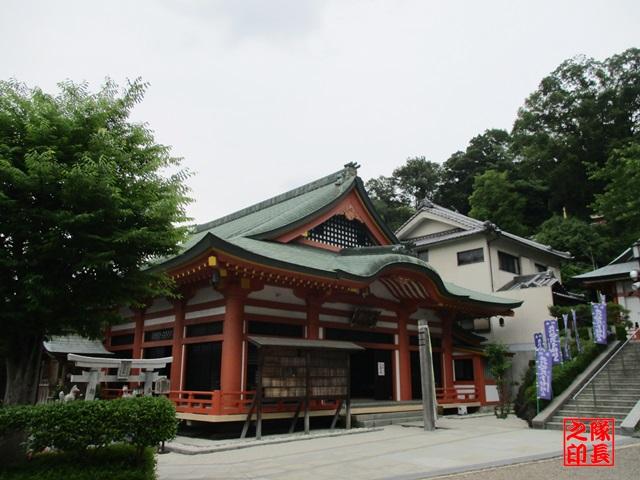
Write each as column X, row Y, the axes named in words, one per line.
column 147, row 366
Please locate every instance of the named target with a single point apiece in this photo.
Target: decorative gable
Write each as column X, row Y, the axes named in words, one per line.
column 347, row 224
column 339, row 231
column 424, row 223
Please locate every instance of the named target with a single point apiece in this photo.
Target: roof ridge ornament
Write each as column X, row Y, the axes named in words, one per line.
column 425, row 203
column 350, row 170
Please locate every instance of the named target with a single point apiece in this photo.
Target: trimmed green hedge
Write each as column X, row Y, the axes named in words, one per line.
column 75, row 426
column 563, row 375
column 116, row 462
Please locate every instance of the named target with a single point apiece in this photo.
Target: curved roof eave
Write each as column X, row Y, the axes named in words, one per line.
column 210, row 241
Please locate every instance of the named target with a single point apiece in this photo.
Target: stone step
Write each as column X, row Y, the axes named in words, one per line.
column 630, row 373
column 559, row 425
column 385, row 415
column 381, row 422
column 619, row 384
column 604, row 410
column 609, row 401
column 613, row 392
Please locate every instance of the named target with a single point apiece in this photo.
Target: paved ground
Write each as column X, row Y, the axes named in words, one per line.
column 627, row 468
column 397, row 452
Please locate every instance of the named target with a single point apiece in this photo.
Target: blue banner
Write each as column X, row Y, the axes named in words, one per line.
column 575, row 329
column 544, row 362
column 553, row 340
column 567, row 336
column 599, row 315
column 538, row 341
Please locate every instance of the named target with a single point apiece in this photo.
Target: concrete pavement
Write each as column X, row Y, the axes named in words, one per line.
column 627, row 467
column 397, row 452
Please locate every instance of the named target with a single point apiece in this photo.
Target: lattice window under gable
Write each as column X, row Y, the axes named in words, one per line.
column 342, row 232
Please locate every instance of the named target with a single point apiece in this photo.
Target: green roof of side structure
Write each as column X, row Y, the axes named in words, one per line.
column 248, row 234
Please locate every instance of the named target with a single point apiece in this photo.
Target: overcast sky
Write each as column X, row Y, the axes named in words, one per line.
column 261, row 96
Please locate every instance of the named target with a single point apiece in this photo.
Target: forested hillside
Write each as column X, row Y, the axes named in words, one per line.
column 567, row 174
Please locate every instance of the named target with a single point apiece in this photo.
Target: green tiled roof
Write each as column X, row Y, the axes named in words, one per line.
column 248, row 233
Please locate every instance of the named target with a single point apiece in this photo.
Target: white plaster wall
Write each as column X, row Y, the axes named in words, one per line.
column 158, row 305
column 277, row 294
column 491, row 392
column 380, row 291
column 528, row 319
column 528, row 258
column 424, row 224
column 444, row 259
column 204, row 294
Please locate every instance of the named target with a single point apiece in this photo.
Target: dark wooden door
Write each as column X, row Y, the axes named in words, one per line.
column 416, row 381
column 202, row 372
column 383, row 387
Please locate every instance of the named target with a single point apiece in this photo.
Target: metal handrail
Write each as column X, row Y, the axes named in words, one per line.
column 595, row 375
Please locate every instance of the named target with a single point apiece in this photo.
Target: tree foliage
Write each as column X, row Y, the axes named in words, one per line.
column 586, row 242
column 488, row 151
column 393, row 207
column 574, row 150
column 495, row 199
column 569, row 126
column 619, row 201
column 417, row 179
column 84, row 206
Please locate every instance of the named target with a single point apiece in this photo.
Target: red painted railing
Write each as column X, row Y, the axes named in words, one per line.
column 459, row 394
column 217, row 402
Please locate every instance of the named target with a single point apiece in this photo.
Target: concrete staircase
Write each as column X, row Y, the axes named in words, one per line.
column 385, row 418
column 616, row 389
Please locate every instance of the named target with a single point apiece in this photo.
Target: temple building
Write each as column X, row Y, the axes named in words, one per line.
column 319, row 263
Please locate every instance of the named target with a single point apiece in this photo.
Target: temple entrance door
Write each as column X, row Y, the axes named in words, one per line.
column 202, row 369
column 384, row 377
column 371, row 375
column 416, row 382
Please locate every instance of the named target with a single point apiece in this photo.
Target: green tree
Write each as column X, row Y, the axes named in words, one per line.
column 619, row 203
column 568, row 127
column 84, row 206
column 417, row 179
column 495, row 199
column 488, row 151
column 393, row 208
column 585, row 242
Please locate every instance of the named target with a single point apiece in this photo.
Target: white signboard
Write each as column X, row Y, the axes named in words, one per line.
column 124, row 370
column 381, row 369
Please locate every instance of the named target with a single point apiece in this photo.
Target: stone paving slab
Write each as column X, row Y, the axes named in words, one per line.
column 197, row 446
column 396, row 452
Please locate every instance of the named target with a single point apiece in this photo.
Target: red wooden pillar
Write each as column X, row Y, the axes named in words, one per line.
column 138, row 333
column 231, row 368
column 404, row 356
column 177, row 346
column 447, row 357
column 313, row 318
column 478, row 378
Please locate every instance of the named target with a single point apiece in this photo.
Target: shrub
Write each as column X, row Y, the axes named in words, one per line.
column 499, row 363
column 621, row 333
column 116, row 462
column 74, row 426
column 563, row 375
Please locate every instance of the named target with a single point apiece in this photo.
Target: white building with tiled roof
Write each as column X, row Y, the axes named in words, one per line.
column 481, row 256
